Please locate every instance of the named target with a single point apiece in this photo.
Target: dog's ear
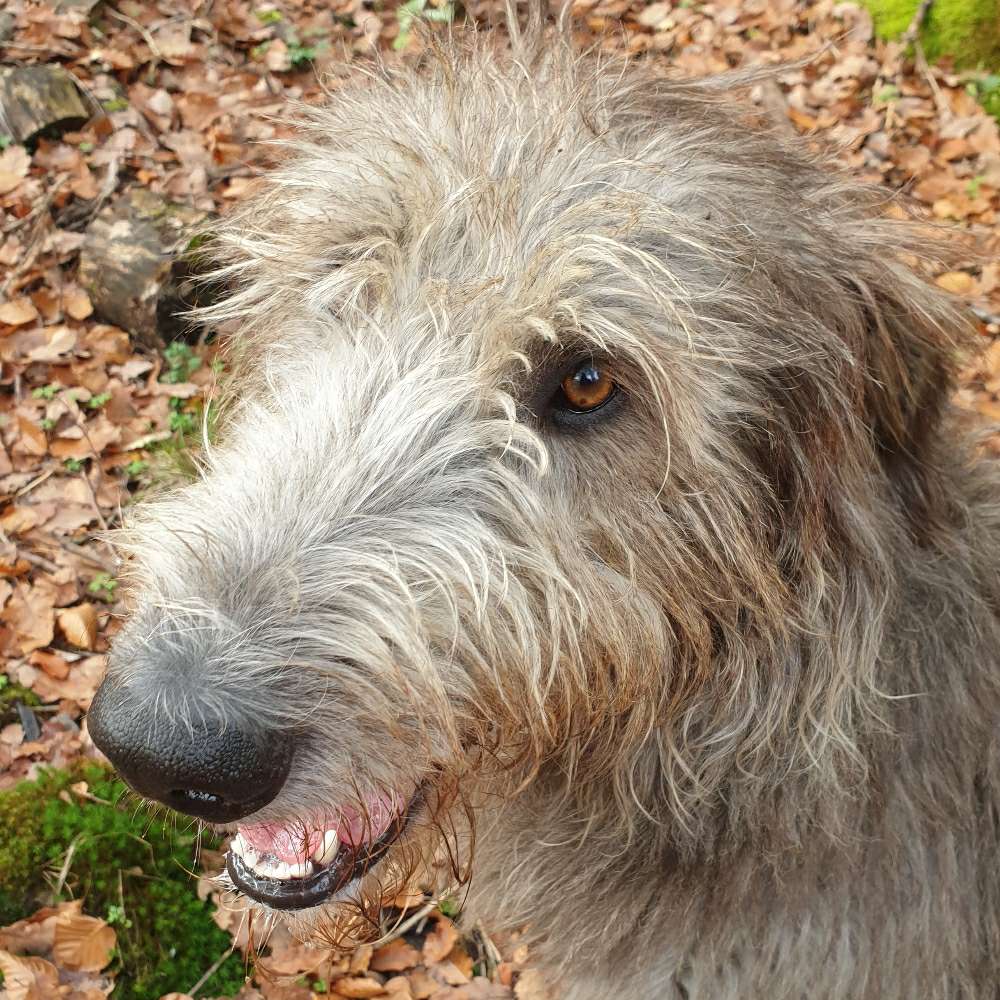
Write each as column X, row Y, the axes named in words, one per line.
column 910, row 346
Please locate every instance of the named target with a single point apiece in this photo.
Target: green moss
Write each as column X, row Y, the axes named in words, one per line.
column 10, row 695
column 966, row 30
column 127, row 866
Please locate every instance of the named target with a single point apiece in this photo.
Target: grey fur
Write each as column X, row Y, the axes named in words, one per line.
column 717, row 680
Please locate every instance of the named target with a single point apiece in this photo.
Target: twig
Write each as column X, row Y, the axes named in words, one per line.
column 920, row 60
column 916, row 23
column 911, row 37
column 64, row 871
column 210, row 971
column 146, row 36
column 79, row 551
column 37, row 481
column 40, row 561
column 144, row 442
column 401, row 928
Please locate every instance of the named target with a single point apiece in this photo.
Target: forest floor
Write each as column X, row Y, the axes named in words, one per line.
column 182, row 97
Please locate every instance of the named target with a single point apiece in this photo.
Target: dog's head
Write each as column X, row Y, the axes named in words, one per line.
column 575, row 423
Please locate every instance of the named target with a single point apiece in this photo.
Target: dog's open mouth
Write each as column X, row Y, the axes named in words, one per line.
column 302, row 863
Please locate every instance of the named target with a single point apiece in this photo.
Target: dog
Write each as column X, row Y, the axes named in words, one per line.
column 590, row 527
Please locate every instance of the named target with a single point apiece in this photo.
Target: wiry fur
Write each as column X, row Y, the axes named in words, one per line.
column 717, row 677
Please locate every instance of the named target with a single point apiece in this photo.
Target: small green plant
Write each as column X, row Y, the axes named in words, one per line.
column 320, row 986
column 104, row 586
column 268, row 16
column 5, row 141
column 96, row 402
column 299, row 55
column 182, row 421
column 182, row 363
column 890, row 92
column 449, row 907
column 123, row 862
column 986, row 90
column 73, row 464
column 136, row 468
column 116, row 916
column 115, row 104
column 258, row 51
column 46, row 423
column 412, row 11
column 10, row 695
column 46, row 391
column 973, row 185
column 86, row 147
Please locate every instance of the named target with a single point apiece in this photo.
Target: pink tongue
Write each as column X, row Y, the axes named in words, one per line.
column 296, row 840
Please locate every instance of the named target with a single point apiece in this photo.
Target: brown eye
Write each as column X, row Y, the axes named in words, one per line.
column 586, row 388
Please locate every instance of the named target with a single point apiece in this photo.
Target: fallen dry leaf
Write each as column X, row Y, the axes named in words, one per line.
column 957, row 282
column 440, row 940
column 395, row 957
column 78, row 304
column 14, row 163
column 79, row 625
column 28, row 978
column 358, row 987
column 18, row 312
column 82, row 943
column 530, row 985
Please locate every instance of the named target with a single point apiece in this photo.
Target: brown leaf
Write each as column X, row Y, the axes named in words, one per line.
column 28, row 978
column 53, row 664
column 358, row 987
column 29, row 612
column 14, row 163
column 37, row 932
column 957, row 282
column 439, row 941
column 395, row 957
column 79, row 625
column 58, row 341
column 80, row 686
column 398, row 988
column 18, row 312
column 360, row 959
column 83, row 944
column 32, row 440
column 421, row 984
column 531, row 986
column 77, row 303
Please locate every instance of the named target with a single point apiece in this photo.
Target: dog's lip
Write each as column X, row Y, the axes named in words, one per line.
column 350, row 864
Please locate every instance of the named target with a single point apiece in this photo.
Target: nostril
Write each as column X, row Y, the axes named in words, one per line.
column 205, row 768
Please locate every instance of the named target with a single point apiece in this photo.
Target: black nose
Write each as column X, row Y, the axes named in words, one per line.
column 205, row 768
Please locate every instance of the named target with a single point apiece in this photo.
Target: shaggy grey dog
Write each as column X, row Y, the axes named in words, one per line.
column 590, row 526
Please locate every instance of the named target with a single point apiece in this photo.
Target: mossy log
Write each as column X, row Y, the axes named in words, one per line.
column 134, row 268
column 38, row 99
column 966, row 31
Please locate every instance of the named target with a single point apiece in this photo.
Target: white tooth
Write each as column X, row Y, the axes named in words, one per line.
column 239, row 846
column 327, row 850
column 299, row 870
column 268, row 868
